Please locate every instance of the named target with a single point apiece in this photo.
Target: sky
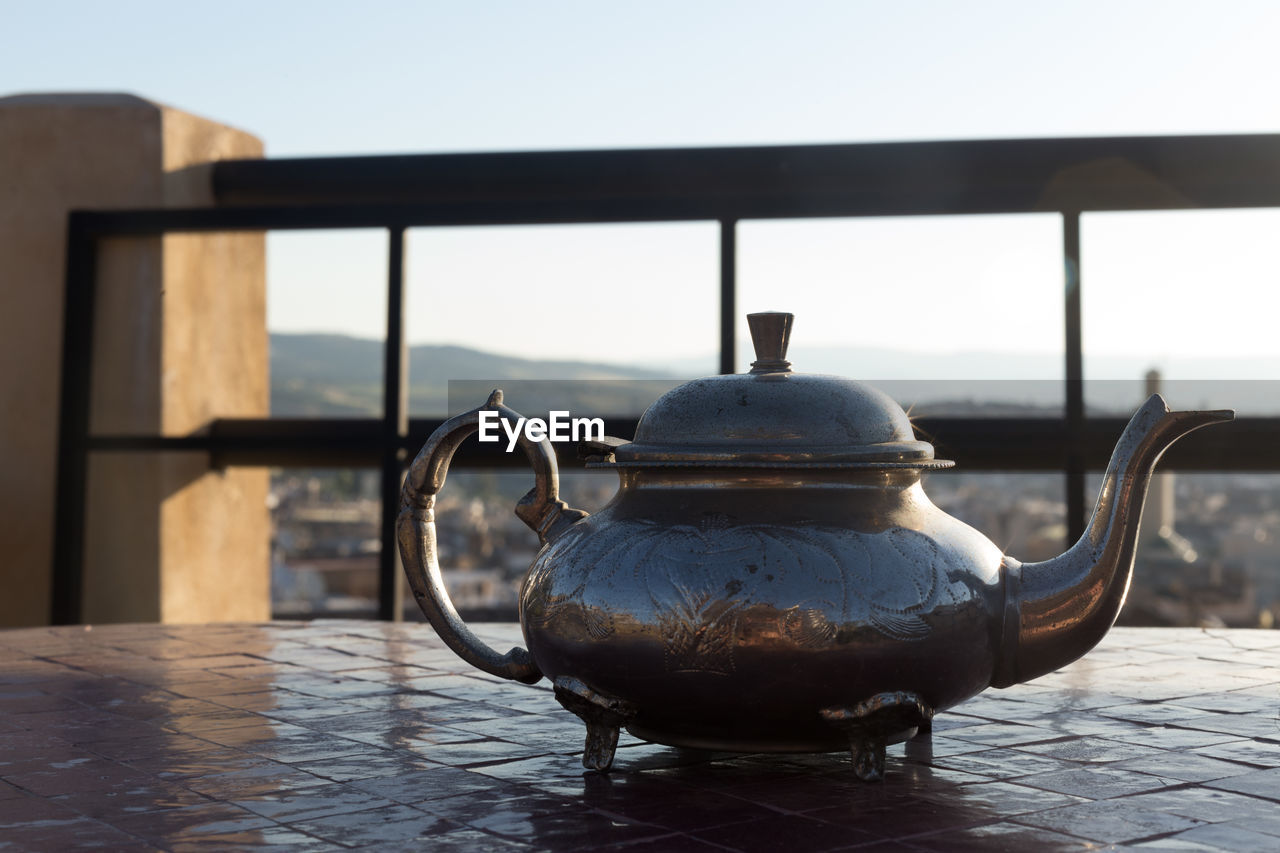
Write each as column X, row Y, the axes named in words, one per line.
column 327, row 78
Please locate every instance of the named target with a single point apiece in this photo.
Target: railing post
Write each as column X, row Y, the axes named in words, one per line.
column 728, row 294
column 73, row 425
column 1074, row 349
column 395, row 428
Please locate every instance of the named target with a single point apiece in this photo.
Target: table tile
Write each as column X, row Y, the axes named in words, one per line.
column 1001, row 837
column 1265, row 822
column 266, row 839
column 332, row 735
column 1217, row 836
column 311, row 802
column 426, row 783
column 1093, row 750
column 647, row 800
column 1109, row 821
column 1170, row 737
column 475, row 805
column 1002, row 763
column 376, row 826
column 781, row 832
column 71, row 835
column 891, row 814
column 172, row 825
column 1002, row 799
column 1261, row 726
column 256, row 777
column 1183, row 766
column 132, row 799
column 463, row 840
column 1003, row 734
column 1095, row 782
column 673, row 843
column 1260, row 783
column 1262, row 754
column 563, row 830
column 1206, row 804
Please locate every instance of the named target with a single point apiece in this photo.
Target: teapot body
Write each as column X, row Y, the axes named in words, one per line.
column 729, row 608
column 770, row 574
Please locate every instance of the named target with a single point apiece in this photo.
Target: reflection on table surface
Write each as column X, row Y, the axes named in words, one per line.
column 338, row 735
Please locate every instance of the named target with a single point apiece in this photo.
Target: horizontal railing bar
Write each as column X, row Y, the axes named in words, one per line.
column 151, row 222
column 1041, row 444
column 976, row 444
column 966, row 176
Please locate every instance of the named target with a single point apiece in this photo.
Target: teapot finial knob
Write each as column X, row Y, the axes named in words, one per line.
column 770, row 335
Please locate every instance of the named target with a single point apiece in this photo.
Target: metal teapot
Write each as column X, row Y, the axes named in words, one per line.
column 770, row 575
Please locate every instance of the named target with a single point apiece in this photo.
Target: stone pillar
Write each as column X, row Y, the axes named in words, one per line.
column 180, row 339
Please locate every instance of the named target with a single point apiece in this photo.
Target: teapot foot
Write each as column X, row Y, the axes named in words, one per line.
column 870, row 723
column 603, row 714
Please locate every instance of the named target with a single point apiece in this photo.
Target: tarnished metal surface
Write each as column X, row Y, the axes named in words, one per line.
column 604, row 716
column 770, row 570
column 541, row 509
column 773, row 417
column 1060, row 608
column 873, row 723
column 731, row 608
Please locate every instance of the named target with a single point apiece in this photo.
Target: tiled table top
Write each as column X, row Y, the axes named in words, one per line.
column 335, row 735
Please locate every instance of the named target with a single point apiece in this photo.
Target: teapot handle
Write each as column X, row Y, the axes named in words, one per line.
column 541, row 509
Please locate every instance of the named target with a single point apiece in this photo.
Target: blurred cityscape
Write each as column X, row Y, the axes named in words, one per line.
column 1213, row 561
column 1209, row 552
column 325, row 547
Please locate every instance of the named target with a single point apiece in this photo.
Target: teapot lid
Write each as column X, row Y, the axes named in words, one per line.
column 772, row 417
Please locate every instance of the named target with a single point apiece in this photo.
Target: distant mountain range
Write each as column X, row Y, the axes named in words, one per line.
column 341, row 376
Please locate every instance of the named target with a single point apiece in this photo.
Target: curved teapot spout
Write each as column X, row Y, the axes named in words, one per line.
column 1057, row 610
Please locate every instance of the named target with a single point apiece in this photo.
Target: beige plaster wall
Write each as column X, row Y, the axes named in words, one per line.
column 181, row 338
column 215, row 528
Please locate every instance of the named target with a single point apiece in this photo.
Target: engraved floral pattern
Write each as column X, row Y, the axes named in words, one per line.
column 699, row 628
column 706, row 583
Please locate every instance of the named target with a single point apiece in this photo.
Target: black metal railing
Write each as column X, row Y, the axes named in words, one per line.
column 726, row 185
